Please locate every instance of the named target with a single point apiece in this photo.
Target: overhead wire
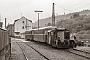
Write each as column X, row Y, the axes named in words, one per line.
column 81, row 6
column 62, row 7
column 76, row 4
column 68, row 9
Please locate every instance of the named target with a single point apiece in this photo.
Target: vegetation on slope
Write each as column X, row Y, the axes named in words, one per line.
column 78, row 24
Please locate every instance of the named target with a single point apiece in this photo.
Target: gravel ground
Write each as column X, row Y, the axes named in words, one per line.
column 30, row 53
column 55, row 54
column 16, row 53
column 48, row 51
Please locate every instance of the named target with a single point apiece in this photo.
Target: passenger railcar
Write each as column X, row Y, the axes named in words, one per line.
column 33, row 34
column 56, row 37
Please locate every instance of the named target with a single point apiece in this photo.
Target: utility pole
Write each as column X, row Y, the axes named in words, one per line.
column 53, row 15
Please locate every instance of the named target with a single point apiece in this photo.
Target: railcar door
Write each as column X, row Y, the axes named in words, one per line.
column 53, row 38
column 49, row 37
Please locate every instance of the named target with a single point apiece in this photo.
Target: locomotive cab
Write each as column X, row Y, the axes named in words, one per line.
column 60, row 38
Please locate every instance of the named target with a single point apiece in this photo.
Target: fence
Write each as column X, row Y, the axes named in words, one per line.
column 5, row 45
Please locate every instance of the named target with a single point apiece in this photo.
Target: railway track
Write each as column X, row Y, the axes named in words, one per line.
column 23, row 51
column 33, row 49
column 38, row 52
column 62, row 54
column 79, row 53
column 73, row 51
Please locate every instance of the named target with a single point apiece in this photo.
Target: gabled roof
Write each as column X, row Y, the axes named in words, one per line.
column 21, row 18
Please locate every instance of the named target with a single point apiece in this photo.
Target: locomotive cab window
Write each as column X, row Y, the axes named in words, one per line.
column 66, row 35
column 60, row 34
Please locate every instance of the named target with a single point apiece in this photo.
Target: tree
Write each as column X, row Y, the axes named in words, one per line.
column 76, row 15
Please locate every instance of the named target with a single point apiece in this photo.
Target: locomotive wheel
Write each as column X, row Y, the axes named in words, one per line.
column 66, row 44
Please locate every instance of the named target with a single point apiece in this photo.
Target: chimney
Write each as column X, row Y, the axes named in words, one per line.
column 1, row 23
column 5, row 22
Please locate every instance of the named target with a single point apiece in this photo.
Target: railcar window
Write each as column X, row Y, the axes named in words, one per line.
column 40, row 32
column 35, row 32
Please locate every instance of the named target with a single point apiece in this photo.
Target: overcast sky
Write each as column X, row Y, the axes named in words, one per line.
column 12, row 9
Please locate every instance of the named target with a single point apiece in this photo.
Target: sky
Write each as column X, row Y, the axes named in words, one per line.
column 14, row 9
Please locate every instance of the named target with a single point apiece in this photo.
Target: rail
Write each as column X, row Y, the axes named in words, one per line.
column 38, row 52
column 79, row 53
column 23, row 52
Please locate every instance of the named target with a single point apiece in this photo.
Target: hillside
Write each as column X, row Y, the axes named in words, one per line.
column 76, row 24
column 44, row 22
column 79, row 25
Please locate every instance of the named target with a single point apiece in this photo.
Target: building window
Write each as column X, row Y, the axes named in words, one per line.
column 22, row 27
column 23, row 22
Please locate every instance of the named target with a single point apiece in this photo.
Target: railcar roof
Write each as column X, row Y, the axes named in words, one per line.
column 48, row 27
column 61, row 28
